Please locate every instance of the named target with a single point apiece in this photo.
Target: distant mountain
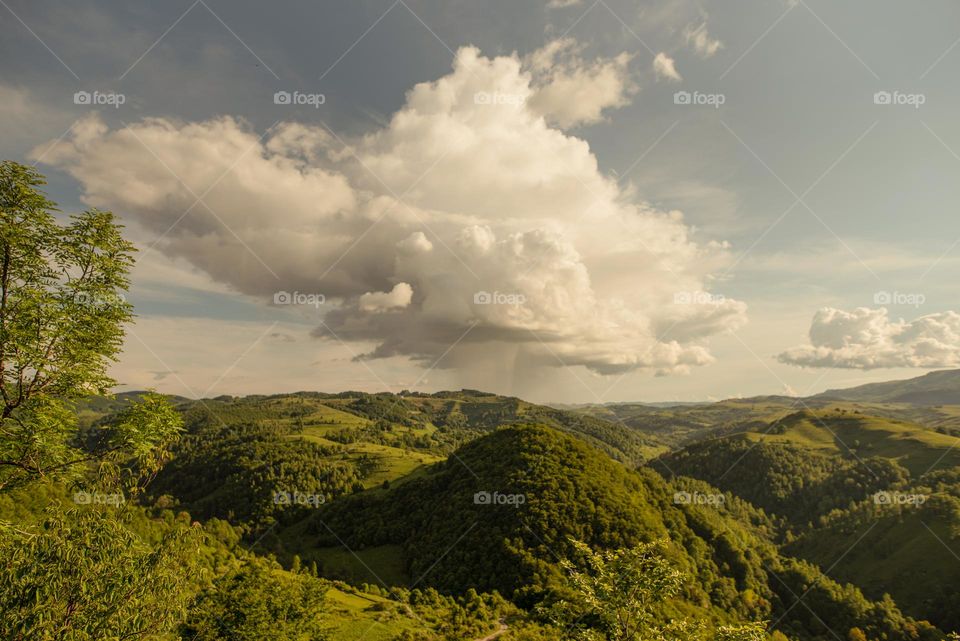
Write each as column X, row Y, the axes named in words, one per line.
column 932, row 401
column 935, row 388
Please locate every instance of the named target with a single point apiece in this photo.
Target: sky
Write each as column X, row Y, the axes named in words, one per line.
column 574, row 201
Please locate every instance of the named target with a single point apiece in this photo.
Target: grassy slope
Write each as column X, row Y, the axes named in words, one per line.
column 836, row 431
column 903, row 551
column 356, row 616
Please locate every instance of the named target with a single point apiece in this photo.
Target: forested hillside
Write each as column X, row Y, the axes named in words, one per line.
column 386, row 481
column 886, row 489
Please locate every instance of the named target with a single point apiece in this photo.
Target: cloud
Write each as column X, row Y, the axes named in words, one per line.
column 560, row 4
column 664, row 68
column 700, row 41
column 397, row 298
column 415, row 243
column 494, row 199
column 23, row 112
column 570, row 91
column 868, row 339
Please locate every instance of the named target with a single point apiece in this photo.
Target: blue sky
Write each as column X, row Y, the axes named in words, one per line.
column 800, row 235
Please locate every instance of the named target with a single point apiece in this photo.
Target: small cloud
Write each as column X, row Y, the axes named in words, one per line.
column 569, row 90
column 415, row 243
column 700, row 41
column 282, row 337
column 664, row 68
column 560, row 4
column 397, row 298
column 162, row 374
column 868, row 339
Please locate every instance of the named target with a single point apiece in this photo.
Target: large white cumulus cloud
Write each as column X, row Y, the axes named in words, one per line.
column 472, row 187
column 868, row 339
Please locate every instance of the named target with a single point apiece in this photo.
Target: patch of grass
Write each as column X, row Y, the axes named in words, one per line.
column 915, row 447
column 355, row 616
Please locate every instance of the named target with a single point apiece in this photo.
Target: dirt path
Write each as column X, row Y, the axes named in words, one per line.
column 491, row 637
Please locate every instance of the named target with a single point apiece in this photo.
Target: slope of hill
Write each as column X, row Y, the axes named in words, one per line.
column 239, row 454
column 854, row 436
column 934, row 388
column 836, row 478
column 811, row 462
column 907, row 541
column 499, row 513
column 436, row 423
column 932, row 400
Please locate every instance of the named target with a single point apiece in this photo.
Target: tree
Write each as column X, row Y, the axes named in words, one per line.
column 61, row 322
column 258, row 601
column 83, row 576
column 618, row 595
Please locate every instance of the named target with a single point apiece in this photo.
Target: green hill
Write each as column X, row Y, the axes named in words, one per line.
column 851, row 436
column 240, row 452
column 810, row 462
column 821, row 471
column 905, row 547
column 466, row 490
column 500, row 512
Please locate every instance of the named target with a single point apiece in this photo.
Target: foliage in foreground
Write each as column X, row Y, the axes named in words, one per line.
column 79, row 574
column 618, row 596
column 258, row 601
column 84, row 576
